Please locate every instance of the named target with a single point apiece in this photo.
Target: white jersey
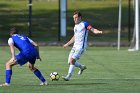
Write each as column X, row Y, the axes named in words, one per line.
column 80, row 34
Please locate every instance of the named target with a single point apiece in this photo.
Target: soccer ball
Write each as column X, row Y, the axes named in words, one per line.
column 54, row 76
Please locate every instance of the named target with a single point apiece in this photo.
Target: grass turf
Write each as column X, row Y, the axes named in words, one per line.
column 108, row 71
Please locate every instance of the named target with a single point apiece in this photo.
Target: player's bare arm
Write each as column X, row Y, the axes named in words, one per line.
column 12, row 51
column 69, row 43
column 34, row 43
column 96, row 31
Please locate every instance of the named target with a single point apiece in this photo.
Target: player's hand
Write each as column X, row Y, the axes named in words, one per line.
column 39, row 58
column 96, row 31
column 65, row 45
column 13, row 59
column 100, row 32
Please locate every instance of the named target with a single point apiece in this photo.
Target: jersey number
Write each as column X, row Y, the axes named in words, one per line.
column 21, row 37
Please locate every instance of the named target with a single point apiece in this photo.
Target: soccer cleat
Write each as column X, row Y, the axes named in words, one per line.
column 65, row 78
column 44, row 83
column 82, row 69
column 5, row 84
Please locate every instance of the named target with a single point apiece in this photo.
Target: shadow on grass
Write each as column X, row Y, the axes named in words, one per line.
column 45, row 23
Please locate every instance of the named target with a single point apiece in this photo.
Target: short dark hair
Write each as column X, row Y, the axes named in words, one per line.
column 78, row 13
column 13, row 30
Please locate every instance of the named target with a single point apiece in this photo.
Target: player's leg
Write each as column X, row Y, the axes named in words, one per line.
column 72, row 60
column 81, row 67
column 74, row 56
column 77, row 55
column 19, row 60
column 77, row 64
column 74, row 63
column 70, row 70
column 71, row 67
column 37, row 73
column 8, row 72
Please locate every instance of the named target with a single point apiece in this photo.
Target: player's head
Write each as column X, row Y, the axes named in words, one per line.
column 13, row 31
column 77, row 17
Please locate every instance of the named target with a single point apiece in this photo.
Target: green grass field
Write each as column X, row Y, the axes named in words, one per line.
column 108, row 71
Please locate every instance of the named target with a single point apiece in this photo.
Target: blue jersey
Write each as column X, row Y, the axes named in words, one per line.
column 22, row 43
column 26, row 48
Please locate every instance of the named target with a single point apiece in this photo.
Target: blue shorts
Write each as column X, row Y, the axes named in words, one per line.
column 24, row 58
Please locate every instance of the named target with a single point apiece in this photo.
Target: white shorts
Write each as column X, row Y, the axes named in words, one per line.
column 75, row 54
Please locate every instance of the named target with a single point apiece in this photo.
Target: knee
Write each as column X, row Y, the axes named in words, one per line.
column 32, row 68
column 10, row 63
column 72, row 61
column 7, row 64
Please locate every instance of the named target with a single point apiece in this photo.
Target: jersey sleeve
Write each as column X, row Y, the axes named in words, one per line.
column 10, row 41
column 88, row 26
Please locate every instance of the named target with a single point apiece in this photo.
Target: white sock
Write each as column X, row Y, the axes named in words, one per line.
column 71, row 70
column 77, row 64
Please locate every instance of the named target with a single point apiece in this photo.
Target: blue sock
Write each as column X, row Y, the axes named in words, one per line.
column 39, row 75
column 8, row 76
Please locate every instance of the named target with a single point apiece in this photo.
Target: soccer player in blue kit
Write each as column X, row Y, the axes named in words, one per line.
column 29, row 52
column 79, row 39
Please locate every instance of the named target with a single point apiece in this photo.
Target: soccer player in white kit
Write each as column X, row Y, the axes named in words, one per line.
column 79, row 39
